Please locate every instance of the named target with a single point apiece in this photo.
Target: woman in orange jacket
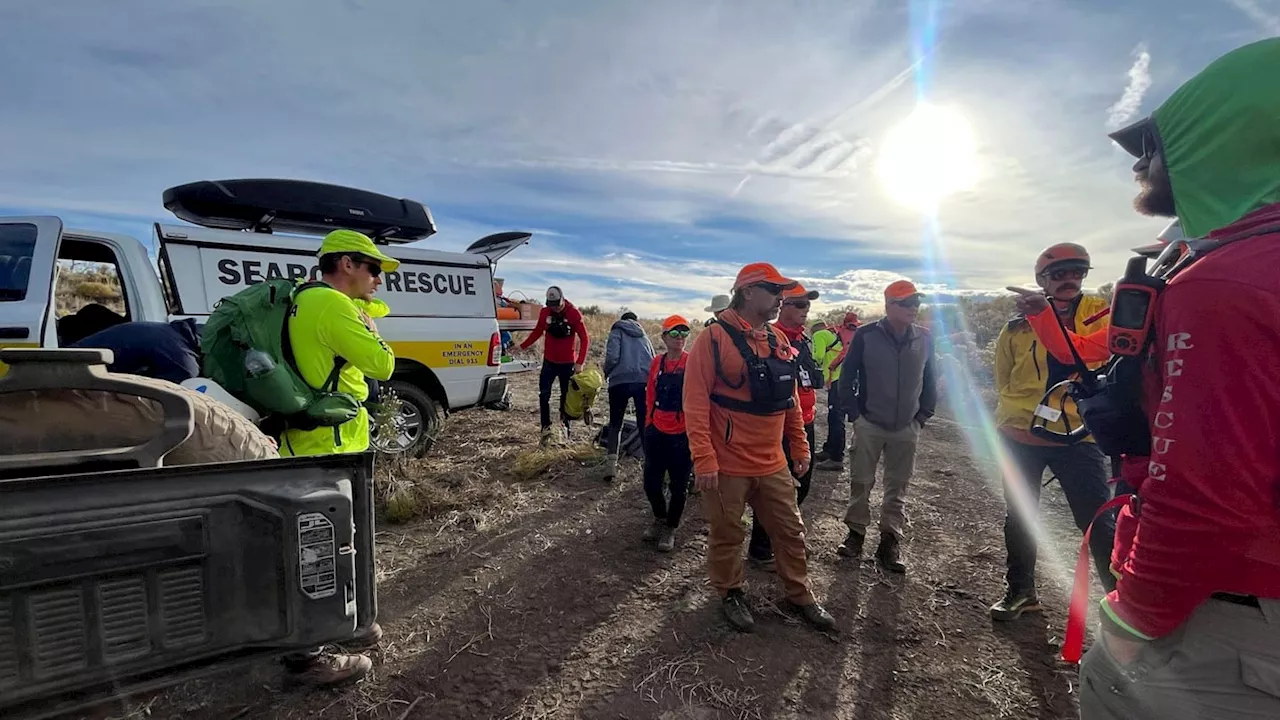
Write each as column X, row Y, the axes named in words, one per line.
column 666, row 446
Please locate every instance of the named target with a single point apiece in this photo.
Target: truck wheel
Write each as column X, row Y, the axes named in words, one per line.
column 97, row 419
column 412, row 430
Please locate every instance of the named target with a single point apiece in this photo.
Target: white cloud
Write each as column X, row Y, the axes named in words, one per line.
column 685, row 117
column 1269, row 20
column 1139, row 82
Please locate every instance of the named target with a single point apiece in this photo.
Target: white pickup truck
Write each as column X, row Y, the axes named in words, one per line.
column 443, row 325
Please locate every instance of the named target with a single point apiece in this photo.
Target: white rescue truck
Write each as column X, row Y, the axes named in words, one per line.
column 443, row 324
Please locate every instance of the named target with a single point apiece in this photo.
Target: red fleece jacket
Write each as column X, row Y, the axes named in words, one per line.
column 808, row 396
column 560, row 350
column 1209, row 515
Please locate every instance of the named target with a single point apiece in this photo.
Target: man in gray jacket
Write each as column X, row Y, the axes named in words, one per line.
column 888, row 389
column 627, row 357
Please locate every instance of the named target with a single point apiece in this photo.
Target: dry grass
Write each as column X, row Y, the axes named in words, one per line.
column 683, row 677
column 555, row 461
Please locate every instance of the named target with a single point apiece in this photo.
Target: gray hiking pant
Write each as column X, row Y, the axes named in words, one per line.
column 1224, row 662
column 898, row 448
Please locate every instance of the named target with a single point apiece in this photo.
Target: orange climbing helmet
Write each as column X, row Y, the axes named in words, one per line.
column 1062, row 255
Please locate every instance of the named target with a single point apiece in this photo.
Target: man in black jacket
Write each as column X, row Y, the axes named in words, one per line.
column 166, row 351
column 888, row 389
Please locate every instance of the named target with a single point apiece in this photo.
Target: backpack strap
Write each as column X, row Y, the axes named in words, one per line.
column 715, row 355
column 740, row 341
column 286, row 344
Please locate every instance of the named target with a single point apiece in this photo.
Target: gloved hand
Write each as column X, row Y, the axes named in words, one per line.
column 922, row 419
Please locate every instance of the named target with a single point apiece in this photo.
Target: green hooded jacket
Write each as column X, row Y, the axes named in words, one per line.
column 1218, row 133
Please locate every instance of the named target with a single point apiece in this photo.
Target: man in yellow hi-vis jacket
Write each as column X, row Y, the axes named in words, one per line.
column 1024, row 372
column 328, row 323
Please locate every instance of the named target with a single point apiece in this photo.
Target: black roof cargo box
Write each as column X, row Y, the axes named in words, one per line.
column 298, row 206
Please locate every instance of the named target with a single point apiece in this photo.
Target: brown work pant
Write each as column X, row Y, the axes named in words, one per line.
column 773, row 499
column 898, row 448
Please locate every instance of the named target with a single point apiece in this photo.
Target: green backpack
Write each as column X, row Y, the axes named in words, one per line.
column 247, row 351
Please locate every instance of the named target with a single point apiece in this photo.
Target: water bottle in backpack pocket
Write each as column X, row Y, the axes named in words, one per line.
column 247, row 351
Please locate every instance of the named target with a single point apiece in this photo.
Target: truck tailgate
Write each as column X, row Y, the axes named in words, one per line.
column 116, row 582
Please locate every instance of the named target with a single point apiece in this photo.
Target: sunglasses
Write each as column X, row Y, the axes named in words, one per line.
column 798, row 304
column 1067, row 273
column 678, row 333
column 911, row 304
column 373, row 266
column 1149, row 147
column 771, row 288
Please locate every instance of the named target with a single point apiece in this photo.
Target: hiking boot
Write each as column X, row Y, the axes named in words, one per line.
column 1015, row 602
column 815, row 615
column 547, row 437
column 822, row 456
column 762, row 561
column 610, row 466
column 654, row 531
column 829, row 464
column 736, row 611
column 330, row 670
column 366, row 640
column 666, row 539
column 889, row 554
column 852, row 545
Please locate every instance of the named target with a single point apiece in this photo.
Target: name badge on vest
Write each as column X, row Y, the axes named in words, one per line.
column 805, row 380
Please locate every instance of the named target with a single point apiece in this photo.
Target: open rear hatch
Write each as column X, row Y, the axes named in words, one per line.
column 298, row 206
column 124, row 581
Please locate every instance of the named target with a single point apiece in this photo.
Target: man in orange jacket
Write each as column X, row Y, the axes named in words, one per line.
column 740, row 400
column 791, row 318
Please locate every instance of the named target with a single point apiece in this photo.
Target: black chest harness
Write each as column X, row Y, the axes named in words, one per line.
column 808, row 374
column 669, row 389
column 771, row 380
column 558, row 326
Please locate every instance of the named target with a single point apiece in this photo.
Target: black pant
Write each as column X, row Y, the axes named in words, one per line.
column 1081, row 470
column 619, row 396
column 552, row 371
column 834, row 444
column 760, row 547
column 667, row 455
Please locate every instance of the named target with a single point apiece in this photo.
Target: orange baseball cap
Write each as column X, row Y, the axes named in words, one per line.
column 673, row 322
column 901, row 290
column 798, row 291
column 761, row 273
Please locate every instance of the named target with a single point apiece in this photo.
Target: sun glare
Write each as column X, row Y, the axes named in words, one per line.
column 927, row 157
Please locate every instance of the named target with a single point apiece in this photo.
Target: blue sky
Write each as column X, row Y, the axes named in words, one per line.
column 652, row 146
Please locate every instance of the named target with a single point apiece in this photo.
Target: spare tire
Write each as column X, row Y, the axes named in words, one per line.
column 56, row 419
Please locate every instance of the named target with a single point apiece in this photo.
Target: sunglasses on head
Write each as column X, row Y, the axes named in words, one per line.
column 798, row 304
column 678, row 332
column 1067, row 273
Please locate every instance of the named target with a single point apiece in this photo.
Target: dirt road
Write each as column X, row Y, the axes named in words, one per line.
column 535, row 598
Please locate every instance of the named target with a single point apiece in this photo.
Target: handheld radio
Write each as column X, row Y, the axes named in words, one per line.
column 1133, row 309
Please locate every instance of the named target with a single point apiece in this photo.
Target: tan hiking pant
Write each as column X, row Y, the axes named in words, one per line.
column 773, row 499
column 1222, row 664
column 870, row 443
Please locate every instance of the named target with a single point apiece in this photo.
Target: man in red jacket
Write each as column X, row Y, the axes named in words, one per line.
column 561, row 322
column 1192, row 629
column 791, row 319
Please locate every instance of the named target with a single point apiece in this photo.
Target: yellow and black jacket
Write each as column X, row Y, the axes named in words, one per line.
column 1025, row 370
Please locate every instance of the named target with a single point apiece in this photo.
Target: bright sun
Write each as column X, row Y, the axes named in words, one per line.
column 927, row 157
